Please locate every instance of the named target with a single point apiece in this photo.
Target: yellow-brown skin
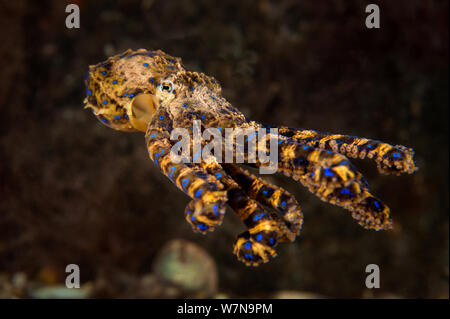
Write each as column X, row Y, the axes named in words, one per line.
column 150, row 91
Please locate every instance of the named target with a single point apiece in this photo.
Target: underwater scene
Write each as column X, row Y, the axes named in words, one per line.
column 340, row 188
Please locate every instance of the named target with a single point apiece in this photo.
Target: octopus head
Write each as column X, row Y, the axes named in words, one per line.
column 125, row 91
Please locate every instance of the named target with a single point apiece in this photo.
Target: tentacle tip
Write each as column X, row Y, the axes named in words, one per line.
column 397, row 161
column 293, row 217
column 204, row 217
column 373, row 214
column 251, row 252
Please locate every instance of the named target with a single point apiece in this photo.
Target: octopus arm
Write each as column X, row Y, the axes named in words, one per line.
column 269, row 195
column 208, row 194
column 390, row 159
column 334, row 179
column 264, row 229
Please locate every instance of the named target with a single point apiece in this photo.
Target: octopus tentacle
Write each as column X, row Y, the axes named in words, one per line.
column 369, row 211
column 269, row 195
column 203, row 216
column 265, row 229
column 314, row 165
column 390, row 159
column 299, row 161
column 208, row 194
column 334, row 179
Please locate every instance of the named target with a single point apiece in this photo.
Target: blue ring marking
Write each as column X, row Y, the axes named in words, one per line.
column 125, row 94
column 188, row 212
column 213, row 81
column 157, row 155
column 104, row 72
column 198, row 193
column 171, row 171
column 345, row 191
column 192, row 88
column 202, row 226
column 283, row 204
column 377, row 204
column 146, row 64
column 248, row 245
column 161, row 117
column 218, row 175
column 215, row 209
column 327, row 172
column 271, row 241
column 172, row 61
column 105, row 102
column 184, row 182
column 104, row 120
column 259, row 237
column 258, row 217
column 193, row 218
column 312, row 174
column 197, row 155
column 248, row 256
column 152, row 79
column 249, row 138
column 153, row 135
column 131, row 95
column 89, row 92
column 212, row 97
column 265, row 192
column 397, row 154
column 369, row 146
column 280, row 142
column 185, row 105
column 305, row 147
column 117, row 117
column 143, row 53
column 115, row 82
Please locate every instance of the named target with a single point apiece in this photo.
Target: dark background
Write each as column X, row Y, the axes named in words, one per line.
column 74, row 191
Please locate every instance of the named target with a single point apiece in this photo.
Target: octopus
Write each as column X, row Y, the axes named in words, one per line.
column 152, row 92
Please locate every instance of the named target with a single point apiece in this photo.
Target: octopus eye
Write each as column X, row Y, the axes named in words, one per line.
column 166, row 86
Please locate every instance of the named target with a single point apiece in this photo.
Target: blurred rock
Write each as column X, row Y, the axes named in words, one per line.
column 188, row 266
column 13, row 286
